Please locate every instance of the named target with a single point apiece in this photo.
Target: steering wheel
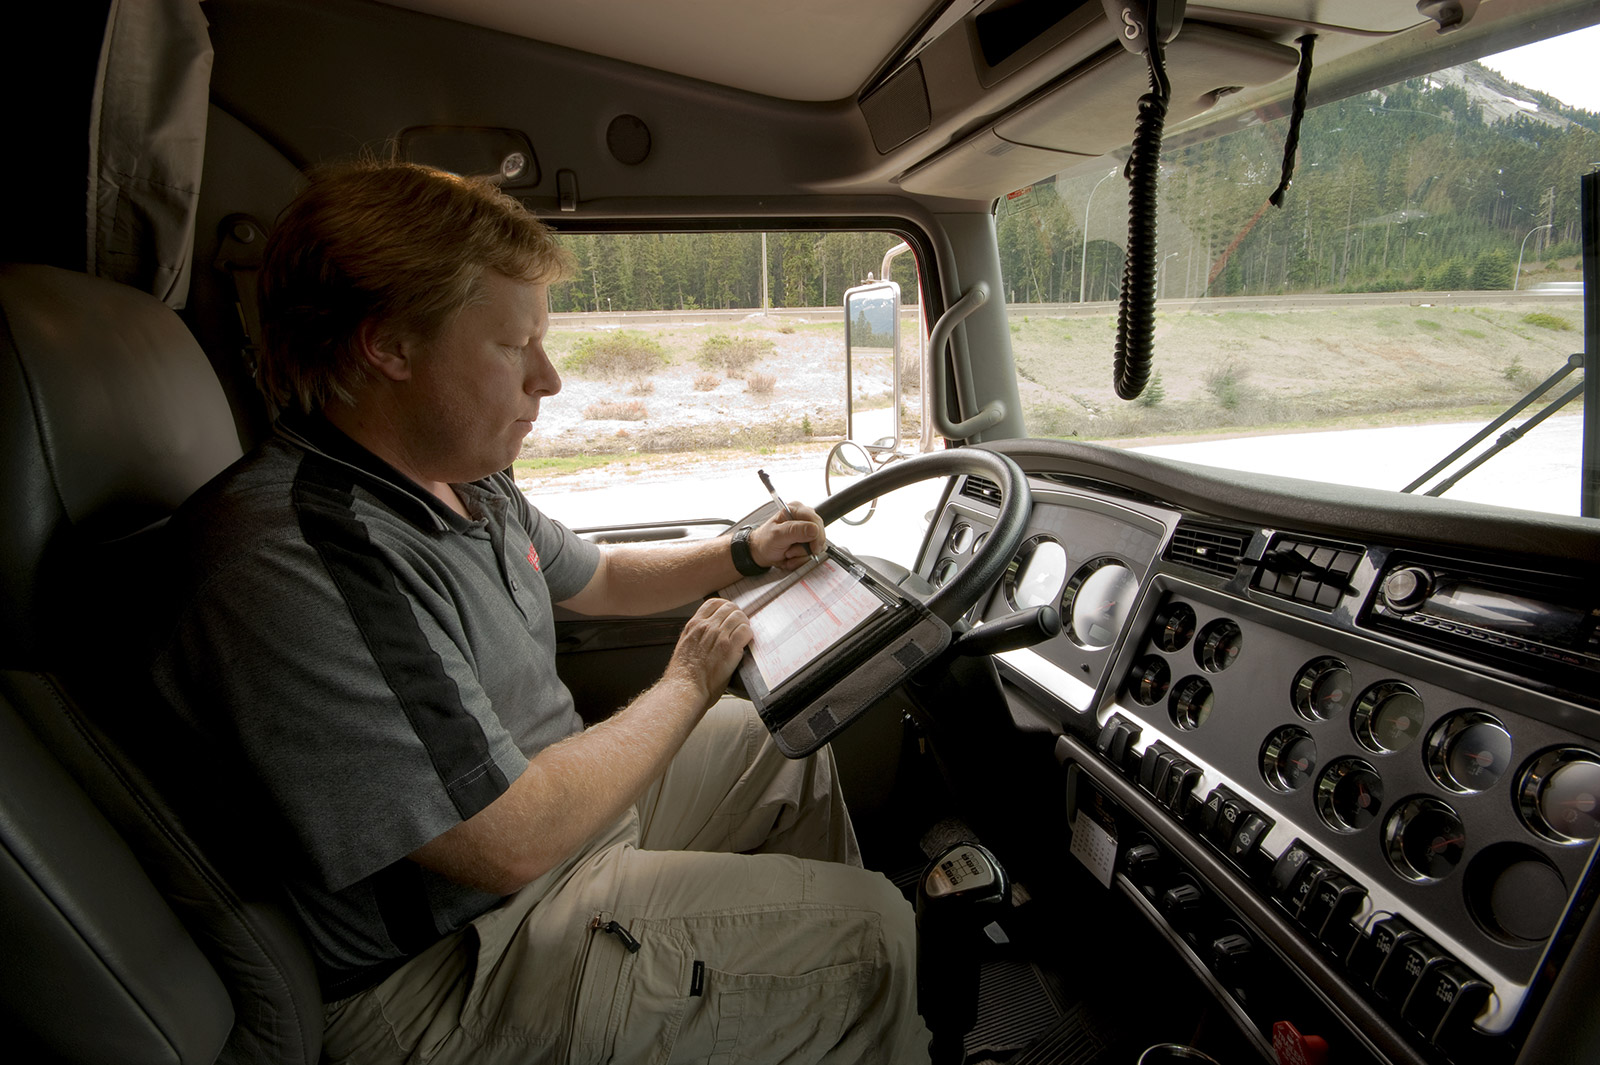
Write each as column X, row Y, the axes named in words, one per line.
column 988, row 561
column 864, row 678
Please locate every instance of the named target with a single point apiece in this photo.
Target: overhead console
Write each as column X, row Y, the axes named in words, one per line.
column 991, row 83
column 1356, row 785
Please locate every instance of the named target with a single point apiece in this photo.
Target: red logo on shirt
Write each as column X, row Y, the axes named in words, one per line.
column 533, row 556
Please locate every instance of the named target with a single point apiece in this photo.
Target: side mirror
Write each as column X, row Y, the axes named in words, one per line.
column 871, row 337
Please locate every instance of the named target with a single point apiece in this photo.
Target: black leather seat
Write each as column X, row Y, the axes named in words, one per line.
column 137, row 926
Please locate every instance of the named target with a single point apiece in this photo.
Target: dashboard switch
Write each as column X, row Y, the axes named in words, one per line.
column 1459, row 995
column 1289, row 867
column 1311, row 877
column 1335, row 901
column 1229, row 816
column 1369, row 955
column 1252, row 826
column 1153, row 755
column 1181, row 780
column 1410, row 960
column 1115, row 738
column 1211, row 809
column 1448, row 988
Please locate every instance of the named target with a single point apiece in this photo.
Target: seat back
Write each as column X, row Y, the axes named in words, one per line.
column 110, row 416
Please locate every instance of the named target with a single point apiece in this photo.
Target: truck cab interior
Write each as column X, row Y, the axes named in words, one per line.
column 1278, row 769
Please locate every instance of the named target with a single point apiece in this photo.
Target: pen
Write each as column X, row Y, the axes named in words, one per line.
column 773, row 492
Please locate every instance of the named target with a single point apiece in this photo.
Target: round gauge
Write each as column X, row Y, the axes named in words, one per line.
column 1149, row 680
column 1387, row 717
column 1099, row 597
column 1349, row 794
column 1190, row 703
column 1036, row 575
column 1288, row 758
column 943, row 572
column 960, row 538
column 1468, row 751
column 1219, row 644
column 1559, row 796
column 1173, row 627
column 978, row 542
column 1322, row 689
column 1423, row 839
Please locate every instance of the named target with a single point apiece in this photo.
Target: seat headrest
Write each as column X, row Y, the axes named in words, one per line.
column 110, row 416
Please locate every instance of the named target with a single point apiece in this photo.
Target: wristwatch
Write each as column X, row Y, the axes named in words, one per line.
column 743, row 560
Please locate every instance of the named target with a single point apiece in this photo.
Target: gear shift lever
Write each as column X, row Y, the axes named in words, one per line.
column 962, row 890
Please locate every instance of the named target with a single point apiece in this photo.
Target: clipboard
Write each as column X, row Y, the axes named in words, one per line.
column 831, row 639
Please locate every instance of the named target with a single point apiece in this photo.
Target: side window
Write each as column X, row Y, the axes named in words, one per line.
column 686, row 367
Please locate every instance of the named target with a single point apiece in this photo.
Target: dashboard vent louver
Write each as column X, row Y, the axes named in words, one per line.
column 1208, row 547
column 981, row 488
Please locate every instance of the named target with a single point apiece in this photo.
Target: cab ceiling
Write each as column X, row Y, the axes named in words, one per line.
column 817, row 50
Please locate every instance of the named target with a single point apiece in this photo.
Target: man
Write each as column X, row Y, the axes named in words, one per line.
column 367, row 626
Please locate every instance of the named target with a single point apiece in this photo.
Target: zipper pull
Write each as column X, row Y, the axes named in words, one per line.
column 615, row 929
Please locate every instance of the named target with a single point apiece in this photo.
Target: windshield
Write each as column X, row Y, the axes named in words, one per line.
column 1422, row 274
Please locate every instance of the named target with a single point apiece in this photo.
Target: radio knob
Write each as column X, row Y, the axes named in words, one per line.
column 1406, row 588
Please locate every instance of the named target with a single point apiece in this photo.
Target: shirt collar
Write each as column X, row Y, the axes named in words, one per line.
column 315, row 433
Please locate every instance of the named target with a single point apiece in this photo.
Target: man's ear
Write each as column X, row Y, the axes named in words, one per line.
column 386, row 351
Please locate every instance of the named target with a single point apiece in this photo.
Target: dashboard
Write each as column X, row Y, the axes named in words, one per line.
column 1343, row 749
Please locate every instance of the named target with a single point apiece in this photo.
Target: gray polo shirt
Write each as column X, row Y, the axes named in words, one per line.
column 382, row 668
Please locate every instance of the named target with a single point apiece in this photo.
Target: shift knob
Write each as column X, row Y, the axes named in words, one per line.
column 961, row 891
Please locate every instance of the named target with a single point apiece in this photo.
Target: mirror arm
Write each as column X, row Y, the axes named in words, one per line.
column 995, row 410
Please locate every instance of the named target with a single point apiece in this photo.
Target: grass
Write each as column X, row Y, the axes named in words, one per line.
column 616, row 355
column 733, row 355
column 1547, row 321
column 1214, row 374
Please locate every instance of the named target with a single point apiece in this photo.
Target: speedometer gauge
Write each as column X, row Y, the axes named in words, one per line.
column 1099, row 598
column 1036, row 575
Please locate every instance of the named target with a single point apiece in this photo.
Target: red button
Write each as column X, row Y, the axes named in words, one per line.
column 1292, row 1048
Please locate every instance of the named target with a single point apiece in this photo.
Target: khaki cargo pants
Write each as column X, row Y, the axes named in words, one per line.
column 759, row 939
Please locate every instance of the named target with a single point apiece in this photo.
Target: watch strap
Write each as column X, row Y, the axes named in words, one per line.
column 743, row 560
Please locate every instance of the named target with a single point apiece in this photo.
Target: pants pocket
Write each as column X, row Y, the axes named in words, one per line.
column 765, row 1017
column 751, row 987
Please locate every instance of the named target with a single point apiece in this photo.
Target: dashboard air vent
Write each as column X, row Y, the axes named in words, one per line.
column 980, row 488
column 1209, row 547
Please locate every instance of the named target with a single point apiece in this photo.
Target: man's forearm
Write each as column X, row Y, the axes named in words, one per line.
column 636, row 579
column 569, row 792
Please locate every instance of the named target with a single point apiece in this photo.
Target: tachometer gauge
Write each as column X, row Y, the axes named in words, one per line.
column 1173, row 627
column 1423, row 839
column 1559, row 796
column 1191, row 702
column 1349, row 795
column 1149, row 680
column 1288, row 758
column 1219, row 644
column 1099, row 598
column 1468, row 751
column 1388, row 717
column 1035, row 576
column 1322, row 689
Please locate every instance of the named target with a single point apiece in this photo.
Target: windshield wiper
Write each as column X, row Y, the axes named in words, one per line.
column 1507, row 438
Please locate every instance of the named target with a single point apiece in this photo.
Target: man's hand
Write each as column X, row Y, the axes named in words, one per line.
column 777, row 542
column 709, row 649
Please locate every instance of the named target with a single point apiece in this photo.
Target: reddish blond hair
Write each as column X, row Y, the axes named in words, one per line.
column 396, row 245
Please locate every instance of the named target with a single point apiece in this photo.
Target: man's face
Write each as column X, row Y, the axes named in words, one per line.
column 476, row 387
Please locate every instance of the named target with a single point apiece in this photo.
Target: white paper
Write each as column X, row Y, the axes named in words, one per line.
column 796, row 616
